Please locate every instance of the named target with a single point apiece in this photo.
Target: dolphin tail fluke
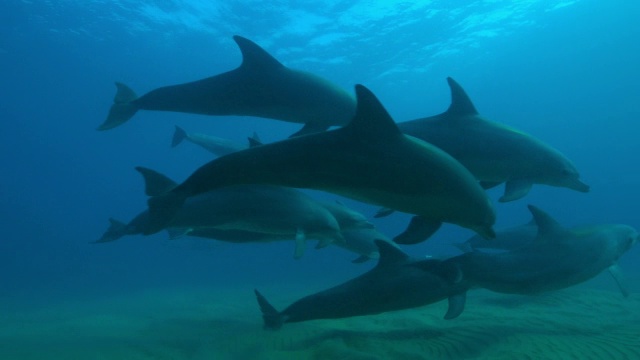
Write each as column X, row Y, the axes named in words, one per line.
column 116, row 230
column 273, row 319
column 162, row 209
column 122, row 109
column 178, row 136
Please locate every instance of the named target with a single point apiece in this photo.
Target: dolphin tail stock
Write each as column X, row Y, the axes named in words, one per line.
column 162, row 209
column 122, row 109
column 116, row 230
column 273, row 319
column 178, row 136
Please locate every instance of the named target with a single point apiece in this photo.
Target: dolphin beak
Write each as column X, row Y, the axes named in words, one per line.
column 579, row 186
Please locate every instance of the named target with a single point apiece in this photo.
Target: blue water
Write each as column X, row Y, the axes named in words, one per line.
column 564, row 71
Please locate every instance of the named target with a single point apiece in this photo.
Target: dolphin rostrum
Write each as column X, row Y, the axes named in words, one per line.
column 368, row 160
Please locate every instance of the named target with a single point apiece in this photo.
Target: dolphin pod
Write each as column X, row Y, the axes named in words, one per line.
column 397, row 282
column 261, row 86
column 368, row 160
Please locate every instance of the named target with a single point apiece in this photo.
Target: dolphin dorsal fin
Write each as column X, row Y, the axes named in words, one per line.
column 155, row 183
column 547, row 225
column 253, row 56
column 371, row 118
column 460, row 102
column 389, row 253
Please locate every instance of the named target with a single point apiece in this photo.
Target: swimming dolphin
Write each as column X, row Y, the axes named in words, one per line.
column 505, row 240
column 279, row 211
column 557, row 258
column 368, row 160
column 357, row 240
column 397, row 282
column 261, row 86
column 213, row 144
column 493, row 152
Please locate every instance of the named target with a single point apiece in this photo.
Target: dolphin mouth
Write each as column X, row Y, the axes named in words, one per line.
column 579, row 186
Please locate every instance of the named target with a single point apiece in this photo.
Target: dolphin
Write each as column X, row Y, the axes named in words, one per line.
column 283, row 212
column 397, row 282
column 507, row 239
column 213, row 144
column 261, row 86
column 368, row 160
column 493, row 152
column 557, row 258
column 357, row 240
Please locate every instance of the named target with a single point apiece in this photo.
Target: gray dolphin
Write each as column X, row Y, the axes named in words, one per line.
column 397, row 282
column 261, row 86
column 506, row 239
column 557, row 258
column 493, row 152
column 279, row 211
column 213, row 144
column 368, row 160
column 357, row 240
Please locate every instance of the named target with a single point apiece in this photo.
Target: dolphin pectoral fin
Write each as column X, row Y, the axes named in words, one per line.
column 383, row 212
column 162, row 209
column 301, row 243
column 515, row 189
column 360, row 259
column 309, row 128
column 456, row 305
column 324, row 242
column 419, row 230
column 620, row 279
column 122, row 108
column 273, row 319
column 489, row 184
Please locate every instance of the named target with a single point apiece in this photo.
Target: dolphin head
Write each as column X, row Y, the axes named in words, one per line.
column 625, row 238
column 560, row 171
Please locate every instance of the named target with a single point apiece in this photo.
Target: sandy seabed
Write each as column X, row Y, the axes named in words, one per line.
column 226, row 324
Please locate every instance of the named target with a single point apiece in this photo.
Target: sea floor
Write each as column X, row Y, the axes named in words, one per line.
column 181, row 323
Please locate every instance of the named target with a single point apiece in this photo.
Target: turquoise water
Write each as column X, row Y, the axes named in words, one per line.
column 563, row 71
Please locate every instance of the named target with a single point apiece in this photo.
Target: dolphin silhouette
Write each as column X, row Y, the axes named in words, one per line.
column 261, row 86
column 397, row 282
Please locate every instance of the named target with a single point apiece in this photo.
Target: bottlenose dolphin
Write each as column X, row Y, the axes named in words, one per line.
column 494, row 153
column 397, row 282
column 261, row 86
column 213, row 144
column 279, row 211
column 505, row 240
column 557, row 258
column 357, row 240
column 368, row 160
